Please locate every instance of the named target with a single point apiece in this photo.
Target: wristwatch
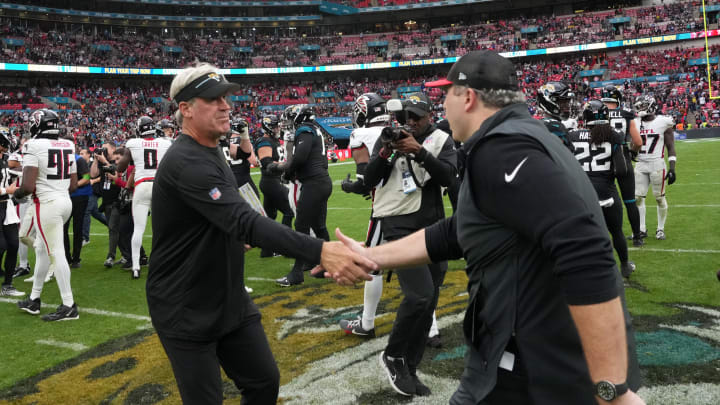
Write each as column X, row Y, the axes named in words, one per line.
column 609, row 391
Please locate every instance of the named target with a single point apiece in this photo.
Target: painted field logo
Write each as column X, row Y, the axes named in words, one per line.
column 679, row 355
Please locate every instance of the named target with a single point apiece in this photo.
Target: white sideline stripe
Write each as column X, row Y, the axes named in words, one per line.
column 93, row 311
column 72, row 346
column 260, row 279
column 641, row 249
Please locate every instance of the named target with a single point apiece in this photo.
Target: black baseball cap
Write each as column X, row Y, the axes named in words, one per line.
column 418, row 104
column 481, row 70
column 210, row 85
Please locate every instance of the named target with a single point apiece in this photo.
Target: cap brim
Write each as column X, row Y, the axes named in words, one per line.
column 439, row 83
column 221, row 89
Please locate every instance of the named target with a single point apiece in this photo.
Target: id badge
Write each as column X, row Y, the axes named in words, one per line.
column 408, row 183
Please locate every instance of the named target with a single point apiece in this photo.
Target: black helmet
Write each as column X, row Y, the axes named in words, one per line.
column 146, row 127
column 302, row 113
column 368, row 109
column 163, row 124
column 645, row 105
column 238, row 125
column 611, row 94
column 595, row 113
column 553, row 98
column 286, row 118
column 44, row 123
column 270, row 124
column 7, row 140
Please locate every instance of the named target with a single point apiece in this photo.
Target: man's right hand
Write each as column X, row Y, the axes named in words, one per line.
column 344, row 262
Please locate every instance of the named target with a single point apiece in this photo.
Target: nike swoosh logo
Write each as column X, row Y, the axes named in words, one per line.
column 511, row 176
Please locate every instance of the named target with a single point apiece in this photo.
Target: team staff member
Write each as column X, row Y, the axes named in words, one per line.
column 202, row 314
column 79, row 200
column 275, row 195
column 545, row 322
column 408, row 172
column 8, row 217
column 310, row 167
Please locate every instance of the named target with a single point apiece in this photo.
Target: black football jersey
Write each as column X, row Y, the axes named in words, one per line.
column 596, row 160
column 239, row 167
column 620, row 119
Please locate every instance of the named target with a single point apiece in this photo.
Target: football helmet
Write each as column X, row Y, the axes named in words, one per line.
column 7, row 140
column 164, row 124
column 239, row 125
column 286, row 120
column 553, row 98
column 270, row 126
column 611, row 94
column 302, row 113
column 645, row 105
column 595, row 112
column 146, row 127
column 369, row 108
column 44, row 123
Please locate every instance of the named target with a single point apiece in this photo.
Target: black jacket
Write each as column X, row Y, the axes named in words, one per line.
column 532, row 232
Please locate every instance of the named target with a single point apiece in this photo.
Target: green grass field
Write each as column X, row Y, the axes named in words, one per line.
column 110, row 354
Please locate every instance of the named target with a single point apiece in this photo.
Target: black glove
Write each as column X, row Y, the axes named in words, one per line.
column 346, row 184
column 671, row 177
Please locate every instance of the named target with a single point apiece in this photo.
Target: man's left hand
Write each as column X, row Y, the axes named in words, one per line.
column 407, row 144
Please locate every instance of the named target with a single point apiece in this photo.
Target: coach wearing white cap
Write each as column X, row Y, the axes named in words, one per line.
column 196, row 297
column 545, row 322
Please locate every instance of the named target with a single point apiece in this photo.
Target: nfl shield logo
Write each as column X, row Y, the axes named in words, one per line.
column 215, row 193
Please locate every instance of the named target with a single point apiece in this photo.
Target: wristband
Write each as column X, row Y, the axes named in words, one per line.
column 244, row 135
column 3, row 191
column 672, row 159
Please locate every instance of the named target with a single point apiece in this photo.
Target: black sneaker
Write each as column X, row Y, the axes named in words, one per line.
column 627, row 268
column 434, row 342
column 421, row 389
column 638, row 242
column 144, row 261
column 63, row 313
column 354, row 327
column 75, row 265
column 21, row 271
column 398, row 374
column 109, row 262
column 127, row 265
column 288, row 281
column 30, row 306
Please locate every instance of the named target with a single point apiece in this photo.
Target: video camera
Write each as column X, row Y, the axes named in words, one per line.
column 394, row 134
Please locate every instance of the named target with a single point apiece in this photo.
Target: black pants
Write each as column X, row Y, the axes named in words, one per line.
column 8, row 245
column 245, row 356
column 312, row 213
column 613, row 220
column 627, row 190
column 77, row 215
column 275, row 198
column 421, row 287
column 112, row 214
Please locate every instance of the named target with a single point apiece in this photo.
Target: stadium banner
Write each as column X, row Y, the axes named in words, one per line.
column 337, row 127
column 337, row 9
column 356, row 66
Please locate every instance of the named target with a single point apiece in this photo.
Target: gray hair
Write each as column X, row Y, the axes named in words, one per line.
column 495, row 98
column 185, row 77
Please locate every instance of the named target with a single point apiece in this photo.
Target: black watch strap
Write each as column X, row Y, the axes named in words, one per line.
column 609, row 391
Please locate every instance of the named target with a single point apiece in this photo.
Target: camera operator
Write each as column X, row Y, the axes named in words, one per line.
column 409, row 166
column 105, row 171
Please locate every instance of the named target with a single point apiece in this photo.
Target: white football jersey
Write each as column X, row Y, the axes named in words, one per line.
column 55, row 160
column 147, row 154
column 653, row 137
column 364, row 136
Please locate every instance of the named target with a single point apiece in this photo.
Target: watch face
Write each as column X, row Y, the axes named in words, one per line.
column 605, row 390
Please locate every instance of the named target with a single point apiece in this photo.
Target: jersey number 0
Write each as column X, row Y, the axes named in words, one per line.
column 150, row 158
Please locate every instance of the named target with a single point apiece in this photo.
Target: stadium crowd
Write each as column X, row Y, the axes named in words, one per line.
column 130, row 48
